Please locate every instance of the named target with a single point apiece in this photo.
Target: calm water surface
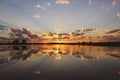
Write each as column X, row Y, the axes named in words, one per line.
column 59, row 62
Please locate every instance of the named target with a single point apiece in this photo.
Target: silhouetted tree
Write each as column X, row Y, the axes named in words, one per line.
column 90, row 42
column 83, row 42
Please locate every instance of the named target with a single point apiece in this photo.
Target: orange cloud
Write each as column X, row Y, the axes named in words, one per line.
column 118, row 15
column 86, row 35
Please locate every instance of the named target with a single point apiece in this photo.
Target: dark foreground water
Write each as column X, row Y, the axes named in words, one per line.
column 59, row 62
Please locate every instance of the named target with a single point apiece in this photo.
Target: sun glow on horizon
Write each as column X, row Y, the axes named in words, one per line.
column 60, row 21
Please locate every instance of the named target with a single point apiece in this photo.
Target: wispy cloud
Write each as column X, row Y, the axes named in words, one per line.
column 118, row 15
column 62, row 2
column 37, row 16
column 48, row 4
column 105, row 8
column 40, row 7
column 57, row 30
column 90, row 2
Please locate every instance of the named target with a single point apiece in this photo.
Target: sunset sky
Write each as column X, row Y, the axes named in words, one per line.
column 43, row 16
column 61, row 15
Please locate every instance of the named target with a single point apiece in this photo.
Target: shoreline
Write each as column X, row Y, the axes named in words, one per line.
column 108, row 44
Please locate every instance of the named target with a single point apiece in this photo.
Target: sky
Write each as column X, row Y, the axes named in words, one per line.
column 66, row 17
column 60, row 15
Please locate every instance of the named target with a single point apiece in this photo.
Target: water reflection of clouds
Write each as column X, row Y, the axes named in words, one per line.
column 82, row 52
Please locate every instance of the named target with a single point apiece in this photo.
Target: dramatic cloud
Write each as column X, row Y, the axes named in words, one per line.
column 52, row 34
column 17, row 33
column 21, row 33
column 85, row 30
column 62, row 2
column 3, row 27
column 64, row 36
column 114, row 2
column 77, row 34
column 82, row 32
column 89, row 29
column 113, row 31
column 118, row 15
column 37, row 16
column 29, row 33
column 90, row 2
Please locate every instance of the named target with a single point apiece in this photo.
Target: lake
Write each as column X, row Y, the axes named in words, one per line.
column 59, row 62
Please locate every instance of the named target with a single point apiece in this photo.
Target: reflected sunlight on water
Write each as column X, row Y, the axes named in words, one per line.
column 10, row 53
column 59, row 62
